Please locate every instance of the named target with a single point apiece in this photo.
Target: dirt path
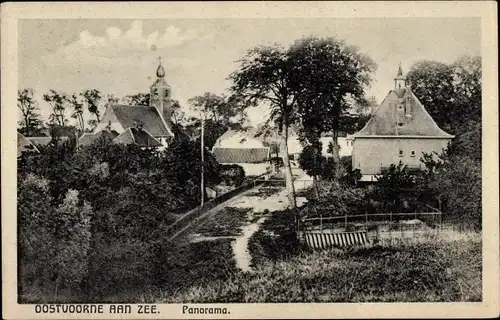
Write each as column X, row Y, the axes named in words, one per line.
column 259, row 203
column 275, row 202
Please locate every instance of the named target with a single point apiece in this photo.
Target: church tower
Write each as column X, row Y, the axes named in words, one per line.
column 160, row 95
column 400, row 80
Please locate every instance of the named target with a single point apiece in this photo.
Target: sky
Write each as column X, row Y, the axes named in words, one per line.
column 120, row 57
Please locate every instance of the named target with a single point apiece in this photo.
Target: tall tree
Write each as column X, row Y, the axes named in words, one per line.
column 467, row 88
column 92, row 98
column 77, row 114
column 450, row 93
column 58, row 103
column 31, row 123
column 432, row 83
column 329, row 77
column 264, row 75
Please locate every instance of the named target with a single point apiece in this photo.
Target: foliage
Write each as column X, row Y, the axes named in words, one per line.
column 450, row 93
column 232, row 174
column 328, row 76
column 58, row 102
column 31, row 122
column 311, row 160
column 93, row 97
column 77, row 105
column 54, row 243
column 276, row 239
column 349, row 177
column 264, row 76
column 182, row 166
column 138, row 99
column 456, row 181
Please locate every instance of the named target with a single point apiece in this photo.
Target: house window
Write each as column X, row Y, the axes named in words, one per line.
column 400, row 124
column 413, row 153
column 400, row 153
column 400, row 107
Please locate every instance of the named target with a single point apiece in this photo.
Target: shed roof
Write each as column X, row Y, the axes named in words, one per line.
column 241, row 155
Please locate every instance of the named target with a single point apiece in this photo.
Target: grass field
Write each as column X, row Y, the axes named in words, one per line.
column 428, row 270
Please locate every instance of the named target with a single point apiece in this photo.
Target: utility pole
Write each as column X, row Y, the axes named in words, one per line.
column 202, row 160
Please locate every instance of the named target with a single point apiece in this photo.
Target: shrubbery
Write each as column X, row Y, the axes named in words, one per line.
column 90, row 219
column 232, row 174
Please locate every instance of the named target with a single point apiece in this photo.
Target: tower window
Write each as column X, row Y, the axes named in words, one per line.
column 413, row 153
column 400, row 153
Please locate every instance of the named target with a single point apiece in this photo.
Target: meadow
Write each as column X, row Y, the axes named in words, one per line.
column 432, row 269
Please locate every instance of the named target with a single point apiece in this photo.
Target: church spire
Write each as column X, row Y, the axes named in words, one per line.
column 400, row 80
column 160, row 72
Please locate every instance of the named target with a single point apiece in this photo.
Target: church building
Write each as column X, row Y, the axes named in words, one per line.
column 146, row 126
column 400, row 130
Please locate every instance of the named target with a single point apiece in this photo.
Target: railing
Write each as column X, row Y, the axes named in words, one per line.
column 377, row 225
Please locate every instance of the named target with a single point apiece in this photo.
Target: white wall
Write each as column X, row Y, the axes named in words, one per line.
column 254, row 169
column 370, row 154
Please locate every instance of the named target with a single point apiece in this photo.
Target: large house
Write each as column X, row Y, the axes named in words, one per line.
column 146, row 126
column 399, row 130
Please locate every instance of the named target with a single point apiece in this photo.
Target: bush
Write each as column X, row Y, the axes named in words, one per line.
column 232, row 174
column 276, row 239
column 53, row 244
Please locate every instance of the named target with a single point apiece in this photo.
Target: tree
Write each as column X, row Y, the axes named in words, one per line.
column 178, row 116
column 432, row 83
column 450, row 93
column 467, row 88
column 138, row 99
column 31, row 123
column 93, row 98
column 264, row 75
column 77, row 111
column 328, row 76
column 313, row 163
column 58, row 103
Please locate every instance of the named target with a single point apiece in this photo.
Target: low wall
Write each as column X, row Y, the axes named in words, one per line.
column 186, row 220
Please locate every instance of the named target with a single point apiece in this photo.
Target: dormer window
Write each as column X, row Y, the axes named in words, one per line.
column 400, row 153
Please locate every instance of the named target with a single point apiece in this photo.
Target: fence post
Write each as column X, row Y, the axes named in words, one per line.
column 345, row 222
column 321, row 222
column 366, row 221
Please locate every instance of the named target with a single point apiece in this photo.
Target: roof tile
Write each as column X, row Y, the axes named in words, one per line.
column 241, row 155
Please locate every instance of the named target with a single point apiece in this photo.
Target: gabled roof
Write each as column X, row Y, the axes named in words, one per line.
column 385, row 120
column 89, row 138
column 24, row 144
column 241, row 155
column 137, row 136
column 148, row 116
